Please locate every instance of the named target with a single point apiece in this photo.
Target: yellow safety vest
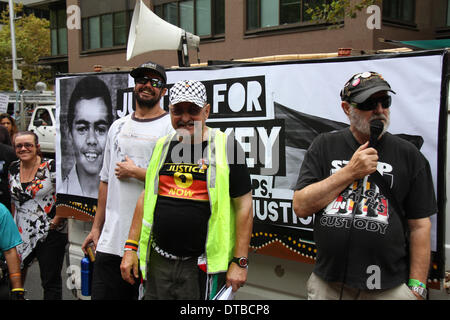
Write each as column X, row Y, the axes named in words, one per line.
column 221, row 233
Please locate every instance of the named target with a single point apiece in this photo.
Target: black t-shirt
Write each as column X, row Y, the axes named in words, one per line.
column 361, row 223
column 7, row 155
column 182, row 210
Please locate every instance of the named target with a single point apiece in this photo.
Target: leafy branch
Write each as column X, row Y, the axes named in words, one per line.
column 335, row 11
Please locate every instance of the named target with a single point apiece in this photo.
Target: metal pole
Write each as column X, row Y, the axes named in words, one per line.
column 13, row 43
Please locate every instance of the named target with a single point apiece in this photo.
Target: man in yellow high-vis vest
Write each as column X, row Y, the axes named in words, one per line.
column 193, row 221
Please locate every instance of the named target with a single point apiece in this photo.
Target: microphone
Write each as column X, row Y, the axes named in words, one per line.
column 376, row 128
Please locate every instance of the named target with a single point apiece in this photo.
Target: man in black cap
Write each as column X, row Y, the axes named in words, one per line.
column 129, row 146
column 368, row 246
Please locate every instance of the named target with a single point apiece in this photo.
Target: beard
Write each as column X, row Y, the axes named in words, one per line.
column 147, row 103
column 363, row 126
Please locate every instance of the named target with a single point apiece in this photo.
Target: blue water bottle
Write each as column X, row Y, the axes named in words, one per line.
column 86, row 275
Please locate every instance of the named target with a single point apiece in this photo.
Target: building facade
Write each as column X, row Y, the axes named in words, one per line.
column 233, row 29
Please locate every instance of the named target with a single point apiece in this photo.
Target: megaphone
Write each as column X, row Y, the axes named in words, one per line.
column 148, row 32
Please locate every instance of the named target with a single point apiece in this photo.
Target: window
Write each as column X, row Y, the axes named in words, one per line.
column 187, row 15
column 105, row 23
column 400, row 11
column 200, row 17
column 94, row 32
column 270, row 13
column 120, row 25
column 290, row 11
column 58, row 31
column 43, row 118
column 448, row 14
column 106, row 31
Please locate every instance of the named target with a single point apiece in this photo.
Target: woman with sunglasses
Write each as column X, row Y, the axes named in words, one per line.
column 32, row 181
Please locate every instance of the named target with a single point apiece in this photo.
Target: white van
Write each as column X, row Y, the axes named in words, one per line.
column 43, row 123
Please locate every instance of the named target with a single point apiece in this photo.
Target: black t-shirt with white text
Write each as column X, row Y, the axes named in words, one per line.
column 360, row 227
column 182, row 209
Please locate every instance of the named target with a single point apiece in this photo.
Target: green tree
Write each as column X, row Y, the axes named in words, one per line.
column 334, row 11
column 32, row 42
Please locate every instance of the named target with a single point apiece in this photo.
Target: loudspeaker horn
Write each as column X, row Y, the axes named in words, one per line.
column 148, row 32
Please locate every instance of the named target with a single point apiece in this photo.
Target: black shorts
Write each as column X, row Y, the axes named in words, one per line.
column 107, row 282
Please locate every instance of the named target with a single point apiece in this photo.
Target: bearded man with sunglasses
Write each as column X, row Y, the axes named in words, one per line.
column 367, row 246
column 129, row 146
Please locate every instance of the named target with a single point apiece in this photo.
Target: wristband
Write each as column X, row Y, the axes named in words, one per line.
column 132, row 242
column 17, row 294
column 131, row 245
column 15, row 275
column 416, row 283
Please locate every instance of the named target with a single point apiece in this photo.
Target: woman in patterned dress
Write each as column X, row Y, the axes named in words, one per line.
column 32, row 185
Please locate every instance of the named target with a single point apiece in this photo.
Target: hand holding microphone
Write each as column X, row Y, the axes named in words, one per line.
column 376, row 128
column 365, row 159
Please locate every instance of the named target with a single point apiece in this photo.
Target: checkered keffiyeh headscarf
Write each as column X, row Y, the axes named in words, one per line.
column 188, row 91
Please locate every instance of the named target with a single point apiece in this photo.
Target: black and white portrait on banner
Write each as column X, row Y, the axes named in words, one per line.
column 87, row 109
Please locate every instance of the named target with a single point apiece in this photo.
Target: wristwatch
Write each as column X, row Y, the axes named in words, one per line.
column 420, row 290
column 241, row 262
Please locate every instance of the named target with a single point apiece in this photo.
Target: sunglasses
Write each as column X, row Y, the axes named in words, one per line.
column 372, row 103
column 26, row 145
column 155, row 83
column 193, row 110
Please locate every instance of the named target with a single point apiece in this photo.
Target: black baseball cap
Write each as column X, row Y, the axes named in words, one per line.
column 362, row 85
column 149, row 66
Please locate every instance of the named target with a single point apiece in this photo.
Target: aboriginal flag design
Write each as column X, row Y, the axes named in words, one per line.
column 183, row 181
